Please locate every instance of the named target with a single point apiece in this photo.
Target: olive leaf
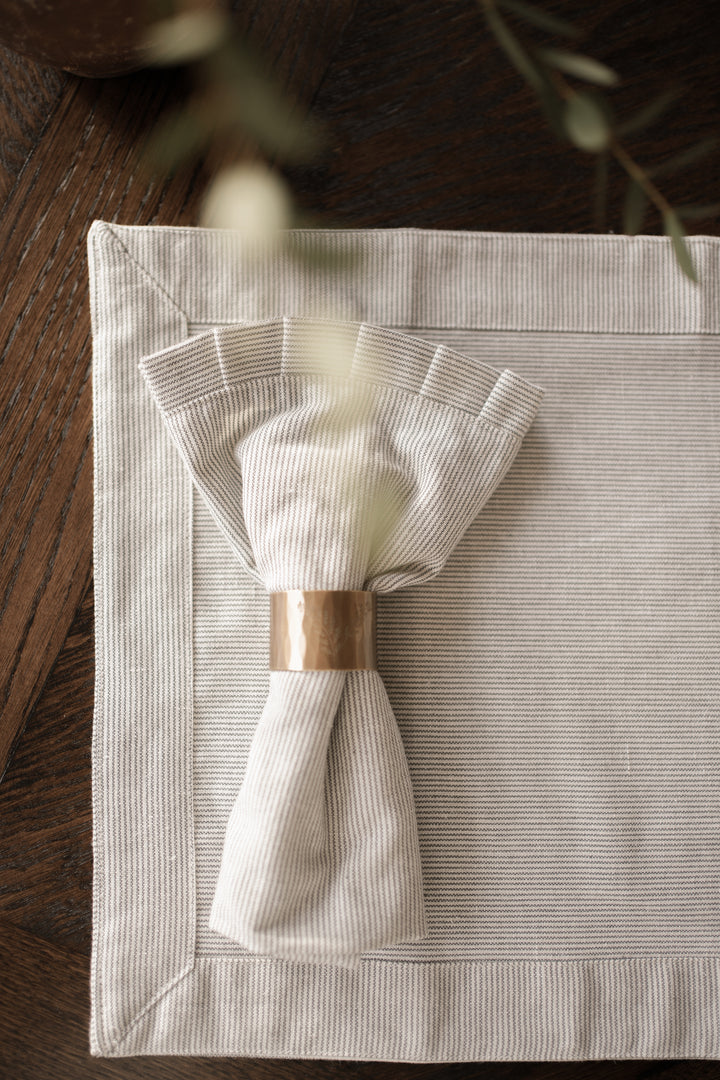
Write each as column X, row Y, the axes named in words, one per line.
column 184, row 37
column 180, row 136
column 649, row 113
column 586, row 123
column 690, row 156
column 582, row 67
column 694, row 212
column 552, row 105
column 243, row 94
column 516, row 54
column 634, row 208
column 324, row 251
column 673, row 229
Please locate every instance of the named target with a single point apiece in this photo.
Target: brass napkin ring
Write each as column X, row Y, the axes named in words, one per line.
column 322, row 631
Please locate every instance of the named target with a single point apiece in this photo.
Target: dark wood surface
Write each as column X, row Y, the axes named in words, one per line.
column 429, row 126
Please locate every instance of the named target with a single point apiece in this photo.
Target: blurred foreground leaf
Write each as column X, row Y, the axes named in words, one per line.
column 582, row 67
column 235, row 95
column 691, row 156
column 634, row 208
column 673, row 229
column 649, row 113
column 178, row 137
column 586, row 123
column 243, row 93
column 250, row 199
column 697, row 213
column 514, row 51
column 322, row 251
column 185, row 37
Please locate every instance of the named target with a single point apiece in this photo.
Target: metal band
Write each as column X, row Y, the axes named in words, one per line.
column 322, row 631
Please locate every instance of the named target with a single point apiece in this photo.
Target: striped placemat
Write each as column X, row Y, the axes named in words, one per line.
column 556, row 686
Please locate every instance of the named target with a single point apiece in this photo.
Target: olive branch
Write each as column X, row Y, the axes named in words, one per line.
column 583, row 116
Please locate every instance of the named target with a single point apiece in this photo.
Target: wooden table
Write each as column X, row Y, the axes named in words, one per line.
column 428, row 126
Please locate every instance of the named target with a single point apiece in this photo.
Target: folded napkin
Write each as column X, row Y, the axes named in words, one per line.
column 333, row 457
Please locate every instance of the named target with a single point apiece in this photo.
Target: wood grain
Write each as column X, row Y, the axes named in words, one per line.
column 433, row 127
column 85, row 166
column 45, row 404
column 28, row 96
column 45, row 811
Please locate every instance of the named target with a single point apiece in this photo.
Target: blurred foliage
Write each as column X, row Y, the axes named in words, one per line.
column 235, row 104
column 234, row 95
column 583, row 116
column 235, row 101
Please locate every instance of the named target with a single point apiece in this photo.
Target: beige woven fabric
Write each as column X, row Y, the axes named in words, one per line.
column 555, row 686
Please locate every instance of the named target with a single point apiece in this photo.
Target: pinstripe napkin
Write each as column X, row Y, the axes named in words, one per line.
column 555, row 686
column 358, row 474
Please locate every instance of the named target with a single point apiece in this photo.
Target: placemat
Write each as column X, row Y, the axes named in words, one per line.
column 556, row 685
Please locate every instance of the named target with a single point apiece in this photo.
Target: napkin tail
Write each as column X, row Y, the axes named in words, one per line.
column 321, row 860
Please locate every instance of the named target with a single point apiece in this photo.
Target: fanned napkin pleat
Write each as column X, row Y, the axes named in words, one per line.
column 333, row 456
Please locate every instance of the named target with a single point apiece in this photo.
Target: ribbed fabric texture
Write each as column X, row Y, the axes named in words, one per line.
column 555, row 686
column 332, row 456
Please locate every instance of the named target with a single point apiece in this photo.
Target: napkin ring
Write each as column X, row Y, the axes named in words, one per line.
column 322, row 630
